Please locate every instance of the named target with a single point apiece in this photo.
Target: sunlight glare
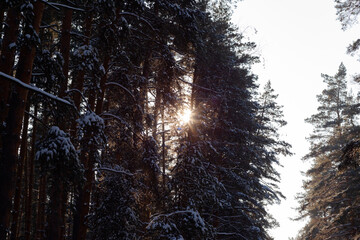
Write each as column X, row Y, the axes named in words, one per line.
column 185, row 116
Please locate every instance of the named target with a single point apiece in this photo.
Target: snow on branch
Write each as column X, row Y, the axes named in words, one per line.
column 121, row 86
column 199, row 87
column 56, row 5
column 82, row 96
column 37, row 119
column 122, row 121
column 112, row 170
column 34, row 89
column 138, row 17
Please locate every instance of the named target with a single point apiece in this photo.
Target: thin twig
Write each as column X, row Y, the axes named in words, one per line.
column 37, row 119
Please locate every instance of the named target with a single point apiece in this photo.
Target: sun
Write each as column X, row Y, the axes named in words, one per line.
column 185, row 116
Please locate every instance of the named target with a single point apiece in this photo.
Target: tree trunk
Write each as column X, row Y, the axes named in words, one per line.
column 65, row 48
column 163, row 150
column 55, row 219
column 79, row 82
column 28, row 201
column 2, row 12
column 156, row 113
column 192, row 133
column 19, row 176
column 7, row 57
column 83, row 200
column 101, row 94
column 40, row 218
column 65, row 38
column 13, row 125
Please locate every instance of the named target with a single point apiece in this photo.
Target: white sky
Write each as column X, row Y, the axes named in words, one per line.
column 298, row 40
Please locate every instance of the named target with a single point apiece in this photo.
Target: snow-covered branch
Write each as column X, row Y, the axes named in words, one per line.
column 199, row 87
column 56, row 5
column 121, row 86
column 112, row 170
column 138, row 17
column 34, row 89
column 82, row 96
column 122, row 121
column 37, row 119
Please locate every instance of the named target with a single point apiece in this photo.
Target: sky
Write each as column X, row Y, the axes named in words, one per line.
column 297, row 41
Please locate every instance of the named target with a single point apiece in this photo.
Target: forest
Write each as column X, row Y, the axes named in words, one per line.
column 144, row 119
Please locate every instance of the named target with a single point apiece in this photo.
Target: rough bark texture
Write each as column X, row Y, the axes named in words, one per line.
column 14, row 119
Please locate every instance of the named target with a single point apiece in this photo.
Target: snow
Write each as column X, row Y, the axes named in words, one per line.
column 113, row 170
column 59, row 146
column 119, row 85
column 55, row 5
column 194, row 216
column 91, row 132
column 86, row 56
column 34, row 89
column 91, row 119
column 27, row 5
column 12, row 45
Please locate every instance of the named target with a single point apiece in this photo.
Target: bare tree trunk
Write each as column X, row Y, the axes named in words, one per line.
column 83, row 201
column 163, row 150
column 54, row 220
column 65, row 52
column 10, row 141
column 28, row 201
column 40, row 218
column 19, row 176
column 7, row 56
column 192, row 134
column 156, row 113
column 65, row 47
column 79, row 82
column 2, row 12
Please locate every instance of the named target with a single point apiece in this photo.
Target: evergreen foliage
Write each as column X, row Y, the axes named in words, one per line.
column 330, row 192
column 116, row 162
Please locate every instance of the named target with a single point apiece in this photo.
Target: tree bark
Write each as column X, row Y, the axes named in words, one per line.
column 19, row 176
column 79, row 82
column 28, row 201
column 163, row 150
column 65, row 38
column 101, row 94
column 83, row 199
column 7, row 57
column 40, row 218
column 14, row 119
column 55, row 219
column 65, row 48
column 2, row 12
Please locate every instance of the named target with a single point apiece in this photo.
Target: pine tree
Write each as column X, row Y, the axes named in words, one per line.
column 330, row 193
column 109, row 80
